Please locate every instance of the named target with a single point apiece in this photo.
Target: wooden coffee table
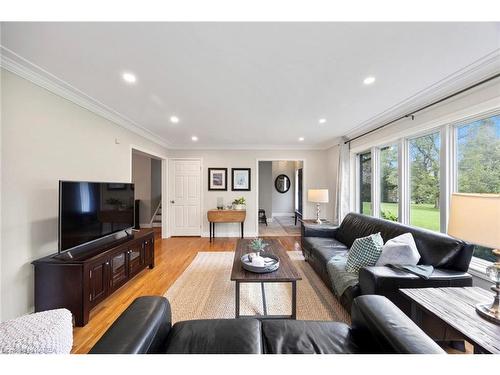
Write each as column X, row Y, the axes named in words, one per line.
column 455, row 308
column 286, row 273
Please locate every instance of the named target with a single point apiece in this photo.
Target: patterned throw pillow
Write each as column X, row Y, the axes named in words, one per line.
column 364, row 252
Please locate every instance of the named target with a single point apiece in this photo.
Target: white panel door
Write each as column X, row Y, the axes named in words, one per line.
column 185, row 197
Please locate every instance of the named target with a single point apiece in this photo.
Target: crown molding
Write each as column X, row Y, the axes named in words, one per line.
column 18, row 65
column 481, row 69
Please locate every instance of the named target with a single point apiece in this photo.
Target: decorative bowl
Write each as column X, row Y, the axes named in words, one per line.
column 272, row 263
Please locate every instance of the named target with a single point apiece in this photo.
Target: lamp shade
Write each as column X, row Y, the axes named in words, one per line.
column 317, row 195
column 476, row 218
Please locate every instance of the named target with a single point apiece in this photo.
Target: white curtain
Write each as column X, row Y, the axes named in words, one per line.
column 343, row 184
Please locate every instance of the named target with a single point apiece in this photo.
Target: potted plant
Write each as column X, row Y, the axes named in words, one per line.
column 257, row 245
column 239, row 204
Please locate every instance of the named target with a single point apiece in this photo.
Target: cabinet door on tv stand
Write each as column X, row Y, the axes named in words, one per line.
column 118, row 270
column 136, row 258
column 98, row 282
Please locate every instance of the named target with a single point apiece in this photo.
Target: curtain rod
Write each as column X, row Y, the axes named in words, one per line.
column 411, row 114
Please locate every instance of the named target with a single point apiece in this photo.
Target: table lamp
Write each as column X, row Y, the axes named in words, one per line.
column 476, row 218
column 317, row 196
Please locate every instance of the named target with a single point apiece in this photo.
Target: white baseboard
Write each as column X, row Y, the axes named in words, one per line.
column 277, row 214
column 147, row 225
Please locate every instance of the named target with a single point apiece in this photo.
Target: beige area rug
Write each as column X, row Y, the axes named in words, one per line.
column 205, row 291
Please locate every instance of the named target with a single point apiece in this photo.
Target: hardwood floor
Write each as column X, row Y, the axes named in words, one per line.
column 172, row 256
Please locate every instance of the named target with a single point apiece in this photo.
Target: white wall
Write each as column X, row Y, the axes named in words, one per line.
column 266, row 185
column 46, row 138
column 141, row 177
column 315, row 176
column 283, row 204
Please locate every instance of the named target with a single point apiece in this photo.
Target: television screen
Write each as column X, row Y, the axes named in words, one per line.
column 92, row 210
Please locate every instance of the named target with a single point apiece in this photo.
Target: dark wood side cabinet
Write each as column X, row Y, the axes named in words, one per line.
column 80, row 283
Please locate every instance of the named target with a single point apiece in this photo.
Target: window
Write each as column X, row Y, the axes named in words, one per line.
column 389, row 189
column 365, row 183
column 478, row 162
column 424, row 181
column 406, row 175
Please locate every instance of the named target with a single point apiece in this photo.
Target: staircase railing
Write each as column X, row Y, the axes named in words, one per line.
column 155, row 213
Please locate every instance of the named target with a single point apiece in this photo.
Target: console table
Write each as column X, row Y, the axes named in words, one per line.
column 225, row 216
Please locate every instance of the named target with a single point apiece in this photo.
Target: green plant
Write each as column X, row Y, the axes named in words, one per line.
column 257, row 244
column 240, row 200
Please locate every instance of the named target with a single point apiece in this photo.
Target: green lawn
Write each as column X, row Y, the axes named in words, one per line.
column 421, row 215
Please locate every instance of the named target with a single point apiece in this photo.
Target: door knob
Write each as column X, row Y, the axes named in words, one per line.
column 172, row 202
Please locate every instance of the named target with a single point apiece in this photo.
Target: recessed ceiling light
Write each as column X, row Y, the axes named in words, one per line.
column 194, row 138
column 322, row 120
column 369, row 80
column 301, row 139
column 174, row 119
column 129, row 77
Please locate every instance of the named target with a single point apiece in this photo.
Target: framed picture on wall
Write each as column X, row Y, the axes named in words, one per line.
column 240, row 179
column 217, row 178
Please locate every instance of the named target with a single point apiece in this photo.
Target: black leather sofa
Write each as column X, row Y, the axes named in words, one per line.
column 449, row 256
column 378, row 326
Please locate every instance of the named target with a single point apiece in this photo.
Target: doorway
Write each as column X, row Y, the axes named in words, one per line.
column 184, row 199
column 280, row 197
column 148, row 176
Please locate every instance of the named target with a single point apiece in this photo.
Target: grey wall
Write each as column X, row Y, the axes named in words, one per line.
column 283, row 203
column 155, row 184
column 141, row 177
column 266, row 185
column 146, row 175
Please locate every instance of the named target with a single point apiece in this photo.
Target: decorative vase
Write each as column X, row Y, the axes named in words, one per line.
column 239, row 206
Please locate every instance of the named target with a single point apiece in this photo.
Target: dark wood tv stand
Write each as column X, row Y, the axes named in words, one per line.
column 79, row 284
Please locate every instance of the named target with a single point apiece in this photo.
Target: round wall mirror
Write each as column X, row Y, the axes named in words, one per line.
column 282, row 183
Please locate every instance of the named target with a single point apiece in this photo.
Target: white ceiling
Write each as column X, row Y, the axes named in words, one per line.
column 246, row 85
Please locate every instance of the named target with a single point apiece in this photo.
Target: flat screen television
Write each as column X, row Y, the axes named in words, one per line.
column 89, row 211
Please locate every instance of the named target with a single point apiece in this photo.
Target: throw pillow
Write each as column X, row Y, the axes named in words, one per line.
column 364, row 252
column 400, row 250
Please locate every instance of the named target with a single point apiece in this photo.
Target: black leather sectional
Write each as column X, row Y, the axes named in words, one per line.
column 449, row 256
column 378, row 326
